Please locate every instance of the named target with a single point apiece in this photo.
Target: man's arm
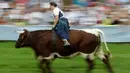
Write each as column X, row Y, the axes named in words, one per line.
column 56, row 19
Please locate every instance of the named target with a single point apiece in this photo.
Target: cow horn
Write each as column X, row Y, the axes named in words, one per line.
column 20, row 31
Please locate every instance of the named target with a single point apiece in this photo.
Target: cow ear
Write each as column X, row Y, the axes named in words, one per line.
column 20, row 32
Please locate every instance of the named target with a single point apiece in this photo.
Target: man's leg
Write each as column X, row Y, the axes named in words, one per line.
column 63, row 31
column 66, row 32
column 66, row 42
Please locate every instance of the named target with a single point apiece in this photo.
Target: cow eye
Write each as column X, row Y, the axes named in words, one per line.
column 22, row 37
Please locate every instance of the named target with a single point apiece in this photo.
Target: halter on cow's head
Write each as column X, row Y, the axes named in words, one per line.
column 22, row 40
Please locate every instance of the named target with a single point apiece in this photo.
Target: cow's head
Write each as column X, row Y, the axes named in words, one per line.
column 23, row 38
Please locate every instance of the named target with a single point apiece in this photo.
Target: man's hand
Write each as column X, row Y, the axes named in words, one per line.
column 53, row 27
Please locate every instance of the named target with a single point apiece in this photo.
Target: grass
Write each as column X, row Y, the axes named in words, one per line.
column 23, row 61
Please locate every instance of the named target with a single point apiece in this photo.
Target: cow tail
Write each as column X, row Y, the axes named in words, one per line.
column 101, row 33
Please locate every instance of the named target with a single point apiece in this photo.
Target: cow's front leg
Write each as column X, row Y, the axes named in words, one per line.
column 37, row 56
column 45, row 65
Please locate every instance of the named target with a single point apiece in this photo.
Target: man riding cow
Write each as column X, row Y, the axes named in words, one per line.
column 87, row 43
column 84, row 43
column 61, row 24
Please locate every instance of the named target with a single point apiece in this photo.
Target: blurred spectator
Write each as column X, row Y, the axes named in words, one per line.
column 1, row 12
column 7, row 0
column 35, row 9
column 107, row 21
column 21, row 1
column 1, row 15
column 32, row 3
column 115, row 20
column 37, row 12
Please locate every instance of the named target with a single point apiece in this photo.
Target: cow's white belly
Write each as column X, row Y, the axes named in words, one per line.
column 59, row 56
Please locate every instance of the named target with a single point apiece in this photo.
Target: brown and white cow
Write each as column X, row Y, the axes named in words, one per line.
column 84, row 42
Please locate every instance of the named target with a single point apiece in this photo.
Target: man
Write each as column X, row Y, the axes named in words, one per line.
column 61, row 24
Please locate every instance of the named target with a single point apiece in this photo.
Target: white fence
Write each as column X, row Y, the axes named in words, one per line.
column 113, row 33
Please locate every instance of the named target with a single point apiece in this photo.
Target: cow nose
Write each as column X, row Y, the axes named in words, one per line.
column 17, row 46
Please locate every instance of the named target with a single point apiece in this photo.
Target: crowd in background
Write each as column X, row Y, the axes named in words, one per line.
column 94, row 13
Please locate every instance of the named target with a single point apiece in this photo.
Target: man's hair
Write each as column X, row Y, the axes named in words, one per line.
column 53, row 4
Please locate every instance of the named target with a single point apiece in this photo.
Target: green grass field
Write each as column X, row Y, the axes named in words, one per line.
column 23, row 61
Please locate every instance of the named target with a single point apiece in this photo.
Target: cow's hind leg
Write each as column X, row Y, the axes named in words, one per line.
column 108, row 64
column 89, row 59
column 105, row 59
